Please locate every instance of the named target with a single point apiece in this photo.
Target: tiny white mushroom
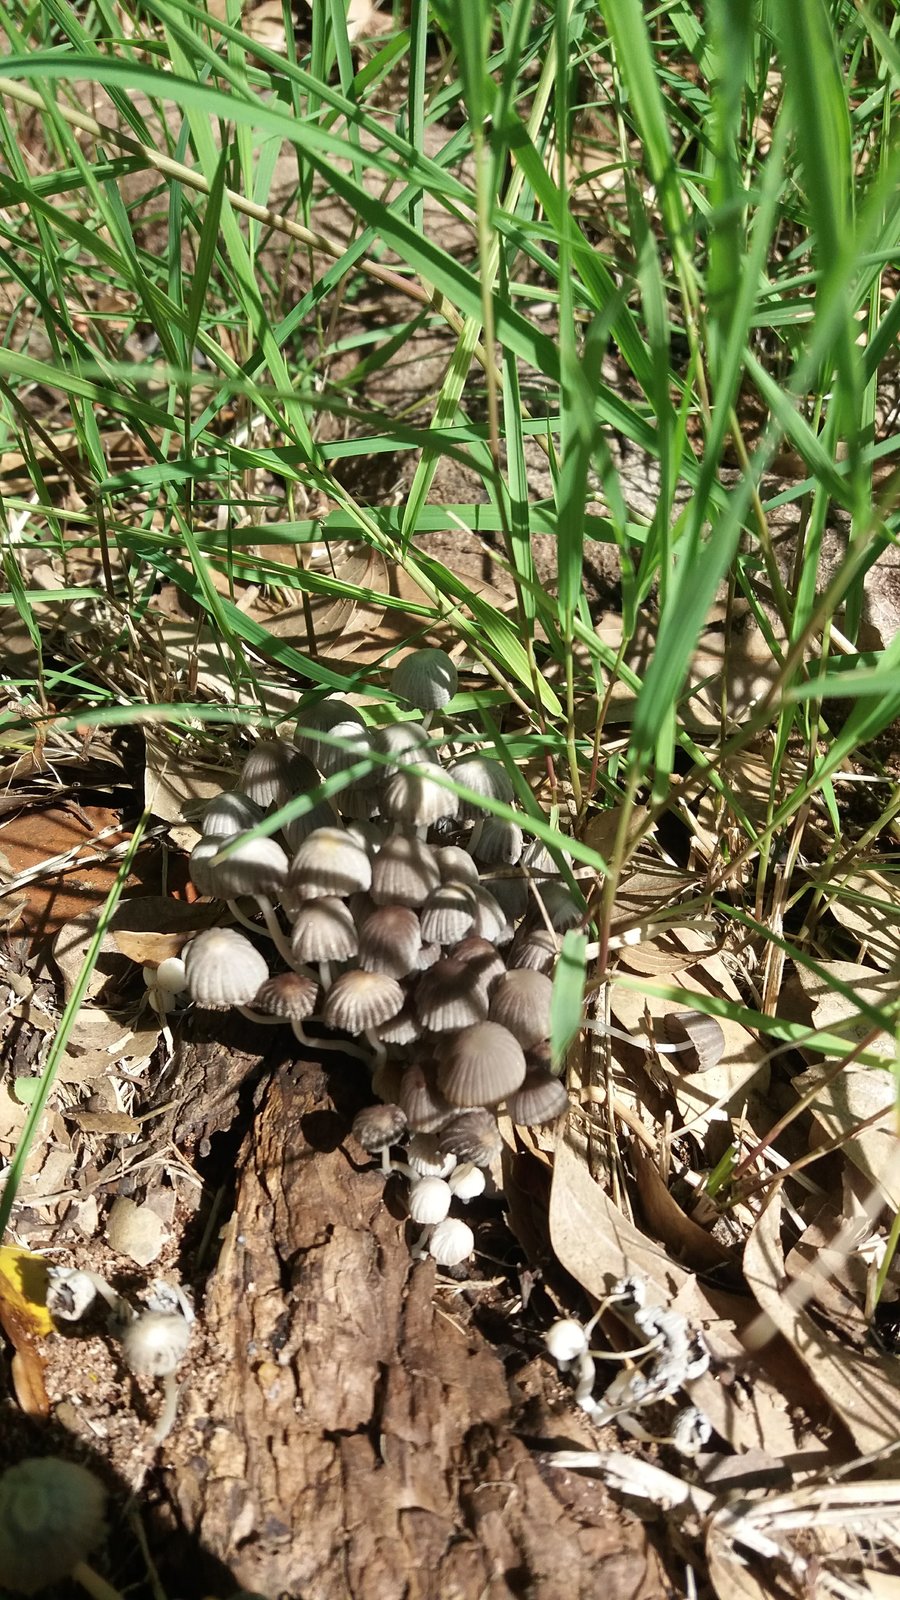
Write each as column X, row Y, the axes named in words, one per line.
column 451, row 1242
column 428, row 1201
column 467, row 1181
column 566, row 1340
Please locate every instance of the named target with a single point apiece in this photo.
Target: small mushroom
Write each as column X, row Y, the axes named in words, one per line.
column 274, row 772
column 426, row 679
column 404, row 872
column 413, row 798
column 467, row 1181
column 472, row 1136
column 324, row 931
column 154, row 1343
column 52, row 1513
column 481, row 1065
column 448, row 997
column 223, row 969
column 390, row 939
column 542, row 1098
column 448, row 913
column 376, row 1128
column 451, row 1242
column 428, row 1200
column 520, row 1002
column 358, row 1001
column 346, row 736
column 329, row 864
column 485, row 777
column 425, row 1107
column 289, row 997
column 228, row 814
column 499, row 844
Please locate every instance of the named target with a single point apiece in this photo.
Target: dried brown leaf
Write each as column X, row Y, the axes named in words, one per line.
column 855, row 1096
column 692, row 1245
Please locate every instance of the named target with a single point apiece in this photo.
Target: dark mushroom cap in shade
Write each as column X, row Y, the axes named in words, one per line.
column 510, row 890
column 331, row 863
column 448, row 913
column 337, row 717
column 201, row 859
column 534, row 947
column 404, row 872
column 456, row 865
column 252, row 866
column 426, row 679
column 390, row 939
column 485, row 776
column 274, row 772
column 376, row 1128
column 521, row 1003
column 480, row 1066
column 324, row 930
column 448, row 996
column 52, row 1514
column 291, row 995
column 500, row 843
column 542, row 1098
column 359, row 1000
column 223, row 969
column 485, row 961
column 425, row 1106
column 472, row 1136
column 560, row 906
column 415, row 799
column 230, row 813
column 321, row 815
column 703, row 1033
column 403, row 742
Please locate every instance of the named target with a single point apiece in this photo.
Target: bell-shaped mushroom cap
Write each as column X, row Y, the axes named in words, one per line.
column 202, row 856
column 452, row 1241
column 521, row 1003
column 485, row 776
column 390, row 940
column 456, row 865
column 274, row 772
column 428, row 1200
column 402, row 1029
column 291, row 995
column 448, row 913
column 230, row 813
column 425, row 1106
column 404, row 872
column 321, row 815
column 416, row 800
column 560, row 906
column 330, row 863
column 499, row 844
column 403, row 742
column 376, row 1128
column 338, row 720
column 538, row 860
column 700, row 1036
column 447, row 997
column 428, row 955
column 426, row 679
column 485, row 963
column 360, row 801
column 424, row 1156
column 155, row 1342
column 359, row 1000
column 542, row 1098
column 223, row 969
column 371, row 835
column 472, row 1136
column 481, row 1066
column 490, row 921
column 535, row 947
column 253, row 866
column 52, row 1514
column 324, row 930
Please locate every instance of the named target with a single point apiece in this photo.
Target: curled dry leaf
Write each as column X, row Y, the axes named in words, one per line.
column 692, row 1245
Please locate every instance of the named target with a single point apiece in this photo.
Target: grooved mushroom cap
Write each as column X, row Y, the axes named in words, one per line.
column 155, row 1342
column 490, row 918
column 451, row 1242
column 456, row 865
column 448, row 996
column 535, row 948
column 223, row 969
column 481, row 1066
column 404, row 1028
column 254, row 866
column 339, row 720
column 486, row 963
column 330, row 863
column 230, row 813
column 204, row 851
column 427, row 679
column 703, row 1033
column 500, row 843
column 428, row 1200
column 415, row 799
column 448, row 913
column 324, row 930
column 542, row 1098
column 403, row 742
column 483, row 775
column 390, row 940
column 424, row 1156
column 537, row 858
column 425, row 1107
column 359, row 1000
column 511, row 894
column 521, row 1003
column 404, row 872
column 472, row 1136
column 560, row 906
column 376, row 1128
column 274, row 772
column 52, row 1514
column 290, row 995
column 321, row 815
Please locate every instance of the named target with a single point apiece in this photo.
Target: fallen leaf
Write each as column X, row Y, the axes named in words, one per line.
column 178, row 781
column 843, row 1102
column 23, row 1287
column 868, row 903
column 692, row 1245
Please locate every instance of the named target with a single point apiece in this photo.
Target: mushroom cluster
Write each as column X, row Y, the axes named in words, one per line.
column 401, row 911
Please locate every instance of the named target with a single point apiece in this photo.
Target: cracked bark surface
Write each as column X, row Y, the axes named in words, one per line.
column 355, row 1438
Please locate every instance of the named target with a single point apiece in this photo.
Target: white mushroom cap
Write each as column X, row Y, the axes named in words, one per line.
column 429, row 1200
column 566, row 1340
column 448, row 913
column 52, row 1513
column 359, row 1000
column 229, row 813
column 426, row 679
column 456, row 865
column 324, row 930
column 425, row 1156
column 223, row 969
column 467, row 1181
column 485, row 776
column 155, row 1342
column 451, row 1242
column 330, row 862
column 415, row 799
column 252, row 866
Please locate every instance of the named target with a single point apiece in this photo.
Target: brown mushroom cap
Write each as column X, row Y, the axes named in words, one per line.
column 542, row 1098
column 404, row 872
column 425, row 1106
column 378, row 1127
column 324, row 930
column 359, row 1000
column 329, row 863
column 521, row 1003
column 291, row 995
column 534, row 947
column 703, row 1033
column 481, row 1065
column 485, row 961
column 223, row 969
column 500, row 843
column 390, row 939
column 448, row 996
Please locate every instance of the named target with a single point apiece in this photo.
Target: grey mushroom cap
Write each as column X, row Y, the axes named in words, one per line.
column 472, row 1136
column 521, row 1003
column 201, row 859
column 542, row 1098
column 490, row 920
column 336, row 717
column 223, row 969
column 402, row 1029
column 425, row 1106
column 534, row 947
column 499, row 844
column 448, row 997
column 274, row 772
column 404, row 872
column 324, row 930
column 290, row 995
column 330, row 863
column 229, row 813
column 510, row 890
column 456, row 865
column 360, row 1000
column 321, row 815
column 52, row 1514
column 483, row 959
column 703, row 1034
column 415, row 799
column 448, row 913
column 560, row 906
column 252, row 866
column 376, row 1128
column 426, row 679
column 390, row 939
column 483, row 775
column 481, row 1065
column 404, row 742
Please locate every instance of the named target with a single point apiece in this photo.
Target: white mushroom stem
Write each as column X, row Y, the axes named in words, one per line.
column 629, row 1355
column 345, row 1046
column 379, row 1050
column 593, row 1025
column 273, row 927
column 165, row 1422
column 419, row 1250
column 93, row 1583
column 325, row 977
column 583, row 1367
